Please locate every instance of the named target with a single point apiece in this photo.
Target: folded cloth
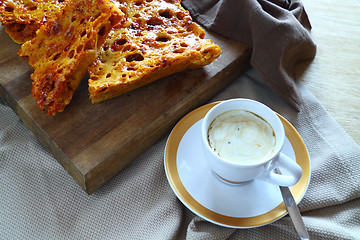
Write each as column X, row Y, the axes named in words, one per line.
column 39, row 200
column 277, row 31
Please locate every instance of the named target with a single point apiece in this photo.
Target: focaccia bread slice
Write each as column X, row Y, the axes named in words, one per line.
column 64, row 48
column 22, row 18
column 157, row 38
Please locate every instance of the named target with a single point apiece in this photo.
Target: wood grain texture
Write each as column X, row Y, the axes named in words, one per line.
column 93, row 142
column 334, row 75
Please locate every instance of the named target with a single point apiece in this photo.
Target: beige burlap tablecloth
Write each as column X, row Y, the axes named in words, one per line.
column 39, row 200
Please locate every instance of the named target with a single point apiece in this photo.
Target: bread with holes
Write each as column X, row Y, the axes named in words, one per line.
column 157, row 38
column 21, row 19
column 63, row 49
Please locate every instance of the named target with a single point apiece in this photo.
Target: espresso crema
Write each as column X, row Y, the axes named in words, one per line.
column 241, row 136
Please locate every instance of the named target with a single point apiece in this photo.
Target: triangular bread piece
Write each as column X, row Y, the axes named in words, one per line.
column 157, row 38
column 22, row 18
column 64, row 48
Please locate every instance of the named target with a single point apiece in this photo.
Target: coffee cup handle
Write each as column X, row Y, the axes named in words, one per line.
column 288, row 164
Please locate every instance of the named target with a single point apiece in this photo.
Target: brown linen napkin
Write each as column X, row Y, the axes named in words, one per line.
column 277, row 31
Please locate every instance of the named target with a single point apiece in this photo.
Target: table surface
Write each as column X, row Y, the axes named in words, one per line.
column 334, row 75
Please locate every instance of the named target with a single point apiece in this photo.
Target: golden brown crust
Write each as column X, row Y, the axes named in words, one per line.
column 63, row 49
column 157, row 38
column 21, row 18
column 154, row 39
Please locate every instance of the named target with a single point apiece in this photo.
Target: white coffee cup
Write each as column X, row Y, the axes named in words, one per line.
column 240, row 172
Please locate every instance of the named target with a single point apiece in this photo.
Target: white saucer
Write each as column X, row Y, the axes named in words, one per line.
column 247, row 205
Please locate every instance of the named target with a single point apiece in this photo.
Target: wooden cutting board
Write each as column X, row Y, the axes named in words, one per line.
column 93, row 142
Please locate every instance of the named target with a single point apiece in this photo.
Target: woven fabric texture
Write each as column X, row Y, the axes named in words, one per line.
column 39, row 200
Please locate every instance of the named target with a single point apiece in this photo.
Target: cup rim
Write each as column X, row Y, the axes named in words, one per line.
column 280, row 130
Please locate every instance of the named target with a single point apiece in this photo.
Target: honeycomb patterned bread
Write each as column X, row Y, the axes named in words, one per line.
column 22, row 18
column 63, row 49
column 156, row 38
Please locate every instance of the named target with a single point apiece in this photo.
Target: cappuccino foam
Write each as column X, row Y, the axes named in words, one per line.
column 241, row 136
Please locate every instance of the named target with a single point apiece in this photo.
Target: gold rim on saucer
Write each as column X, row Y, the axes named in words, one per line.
column 298, row 190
